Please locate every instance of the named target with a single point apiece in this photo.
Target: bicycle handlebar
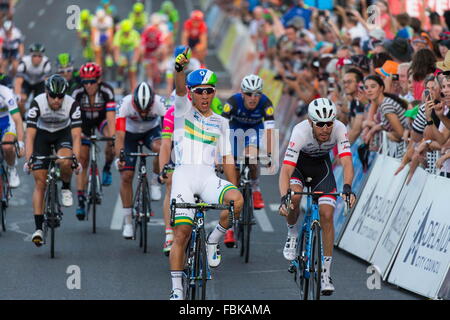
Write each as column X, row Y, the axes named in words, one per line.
column 95, row 138
column 136, row 154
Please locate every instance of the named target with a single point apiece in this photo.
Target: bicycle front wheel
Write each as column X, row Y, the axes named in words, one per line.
column 3, row 216
column 145, row 217
column 200, row 268
column 315, row 262
column 51, row 216
column 93, row 195
column 248, row 224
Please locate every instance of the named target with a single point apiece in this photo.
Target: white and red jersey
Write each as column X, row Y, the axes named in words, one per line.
column 303, row 141
column 151, row 39
column 128, row 119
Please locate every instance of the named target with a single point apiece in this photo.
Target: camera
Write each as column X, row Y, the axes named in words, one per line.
column 426, row 92
column 321, row 13
column 395, row 77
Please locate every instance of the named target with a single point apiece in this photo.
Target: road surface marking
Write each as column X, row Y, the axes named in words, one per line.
column 263, row 220
column 14, row 227
column 117, row 219
column 41, row 12
column 274, row 206
column 31, row 25
column 49, row 2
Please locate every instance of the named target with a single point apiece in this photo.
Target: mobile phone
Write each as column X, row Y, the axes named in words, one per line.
column 361, row 86
column 426, row 92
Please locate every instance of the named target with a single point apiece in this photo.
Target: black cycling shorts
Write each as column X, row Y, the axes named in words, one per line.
column 321, row 172
column 131, row 144
column 44, row 141
column 36, row 89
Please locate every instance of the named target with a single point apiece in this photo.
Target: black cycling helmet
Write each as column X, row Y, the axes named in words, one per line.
column 56, row 86
column 36, row 47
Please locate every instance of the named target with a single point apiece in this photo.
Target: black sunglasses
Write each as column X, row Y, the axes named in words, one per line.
column 56, row 95
column 200, row 90
column 92, row 81
column 252, row 94
column 329, row 124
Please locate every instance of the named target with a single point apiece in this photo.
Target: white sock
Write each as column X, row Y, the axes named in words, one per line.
column 327, row 264
column 177, row 279
column 292, row 230
column 127, row 215
column 255, row 185
column 169, row 234
column 217, row 234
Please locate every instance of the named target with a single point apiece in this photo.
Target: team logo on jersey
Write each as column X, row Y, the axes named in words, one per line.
column 270, row 111
column 226, row 108
column 291, row 144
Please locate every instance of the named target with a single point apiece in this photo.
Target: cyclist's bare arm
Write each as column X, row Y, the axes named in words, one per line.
column 17, row 118
column 164, row 153
column 285, row 176
column 120, row 138
column 18, row 85
column 76, row 141
column 111, row 119
column 29, row 143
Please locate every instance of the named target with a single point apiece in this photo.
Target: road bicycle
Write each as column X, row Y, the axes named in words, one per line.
column 142, row 210
column 94, row 189
column 307, row 267
column 52, row 207
column 5, row 190
column 196, row 268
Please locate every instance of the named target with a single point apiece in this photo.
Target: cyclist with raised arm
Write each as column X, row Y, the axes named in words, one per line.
column 11, row 129
column 54, row 119
column 138, row 119
column 308, row 156
column 200, row 136
column 98, row 111
column 251, row 115
column 32, row 71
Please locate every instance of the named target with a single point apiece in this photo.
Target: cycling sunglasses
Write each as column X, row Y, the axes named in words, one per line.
column 252, row 94
column 66, row 70
column 56, row 95
column 329, row 124
column 90, row 81
column 200, row 90
column 37, row 55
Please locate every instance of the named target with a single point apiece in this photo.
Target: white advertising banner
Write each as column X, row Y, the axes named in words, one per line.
column 375, row 206
column 389, row 242
column 424, row 256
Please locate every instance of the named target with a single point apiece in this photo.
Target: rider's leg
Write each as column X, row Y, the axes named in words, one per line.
column 82, row 180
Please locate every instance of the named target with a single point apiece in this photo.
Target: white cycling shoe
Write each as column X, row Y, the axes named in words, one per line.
column 128, row 231
column 290, row 248
column 176, row 294
column 326, row 285
column 14, row 180
column 66, row 198
column 213, row 254
column 38, row 238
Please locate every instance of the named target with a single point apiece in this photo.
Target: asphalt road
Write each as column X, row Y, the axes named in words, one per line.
column 114, row 268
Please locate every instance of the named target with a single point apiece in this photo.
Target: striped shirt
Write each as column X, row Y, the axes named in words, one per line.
column 391, row 106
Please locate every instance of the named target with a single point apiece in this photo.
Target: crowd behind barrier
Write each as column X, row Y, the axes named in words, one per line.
column 390, row 80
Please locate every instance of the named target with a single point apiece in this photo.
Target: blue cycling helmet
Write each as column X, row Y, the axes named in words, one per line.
column 179, row 50
column 201, row 76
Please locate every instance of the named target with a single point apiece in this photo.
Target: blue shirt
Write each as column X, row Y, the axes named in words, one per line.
column 241, row 117
column 297, row 12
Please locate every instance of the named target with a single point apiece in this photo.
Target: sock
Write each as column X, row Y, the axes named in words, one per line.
column 66, row 185
column 292, row 230
column 217, row 234
column 255, row 185
column 154, row 179
column 169, row 234
column 107, row 167
column 127, row 215
column 81, row 198
column 327, row 264
column 177, row 277
column 39, row 220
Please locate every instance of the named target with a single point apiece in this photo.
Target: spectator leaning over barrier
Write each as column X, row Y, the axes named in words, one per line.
column 386, row 112
column 420, row 122
column 434, row 138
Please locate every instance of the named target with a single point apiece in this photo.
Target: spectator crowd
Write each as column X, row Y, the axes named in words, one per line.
column 388, row 76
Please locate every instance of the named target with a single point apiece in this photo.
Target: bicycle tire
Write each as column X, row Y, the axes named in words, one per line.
column 248, row 224
column 52, row 218
column 187, row 271
column 316, row 261
column 301, row 272
column 196, row 269
column 241, row 225
column 93, row 195
column 146, row 213
column 3, row 217
column 4, row 198
column 203, row 260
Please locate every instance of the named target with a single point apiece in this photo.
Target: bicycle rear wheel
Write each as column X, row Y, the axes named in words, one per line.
column 248, row 224
column 93, row 195
column 302, row 281
column 146, row 213
column 198, row 290
column 204, row 263
column 3, row 216
column 315, row 262
column 51, row 216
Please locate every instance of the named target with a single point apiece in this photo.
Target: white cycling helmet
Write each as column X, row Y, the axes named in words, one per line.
column 252, row 83
column 322, row 110
column 143, row 97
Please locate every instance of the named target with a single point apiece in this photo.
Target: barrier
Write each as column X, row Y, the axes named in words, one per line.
column 272, row 88
column 389, row 244
column 444, row 291
column 373, row 209
column 424, row 255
